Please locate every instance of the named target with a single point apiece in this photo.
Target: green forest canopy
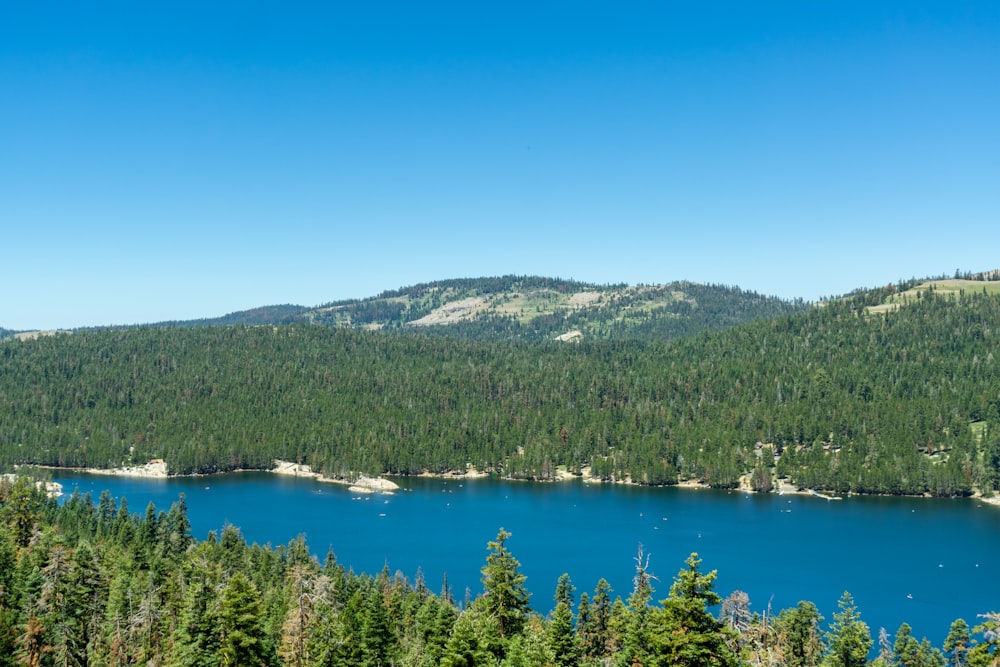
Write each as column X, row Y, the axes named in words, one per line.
column 835, row 398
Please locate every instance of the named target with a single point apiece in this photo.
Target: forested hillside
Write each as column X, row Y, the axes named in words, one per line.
column 533, row 309
column 282, row 314
column 835, row 398
column 90, row 583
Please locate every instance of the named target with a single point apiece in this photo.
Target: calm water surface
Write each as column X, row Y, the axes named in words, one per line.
column 923, row 561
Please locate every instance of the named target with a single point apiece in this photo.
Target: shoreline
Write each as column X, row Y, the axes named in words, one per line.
column 51, row 489
column 157, row 469
column 992, row 500
column 362, row 484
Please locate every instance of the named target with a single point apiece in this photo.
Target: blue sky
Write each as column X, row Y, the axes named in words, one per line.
column 181, row 160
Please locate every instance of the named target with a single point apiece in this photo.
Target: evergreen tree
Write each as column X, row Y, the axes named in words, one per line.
column 305, row 590
column 683, row 632
column 178, row 529
column 435, row 619
column 505, row 598
column 468, row 644
column 562, row 638
column 799, row 635
column 635, row 642
column 987, row 652
column 241, row 624
column 8, row 602
column 564, row 590
column 908, row 652
column 619, row 623
column 598, row 639
column 377, row 639
column 196, row 642
column 906, row 649
column 530, row 648
column 585, row 627
column 22, row 508
column 63, row 603
column 848, row 640
column 957, row 643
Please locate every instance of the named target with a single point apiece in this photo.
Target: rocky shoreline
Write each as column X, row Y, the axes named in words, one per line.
column 361, row 484
column 51, row 489
column 157, row 469
column 364, row 484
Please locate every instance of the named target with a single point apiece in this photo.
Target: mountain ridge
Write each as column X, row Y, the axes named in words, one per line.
column 524, row 308
column 536, row 308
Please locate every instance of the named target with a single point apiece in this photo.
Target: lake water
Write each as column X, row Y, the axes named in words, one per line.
column 923, row 561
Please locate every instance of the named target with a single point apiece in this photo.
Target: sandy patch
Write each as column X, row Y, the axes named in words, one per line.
column 156, row 468
column 468, row 473
column 786, row 488
column 992, row 500
column 570, row 336
column 456, row 311
column 581, row 299
column 31, row 335
column 563, row 475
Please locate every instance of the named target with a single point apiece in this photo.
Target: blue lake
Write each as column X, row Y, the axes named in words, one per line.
column 923, row 561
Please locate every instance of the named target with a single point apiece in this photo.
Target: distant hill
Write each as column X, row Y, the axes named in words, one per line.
column 526, row 309
column 532, row 308
column 283, row 314
column 893, row 298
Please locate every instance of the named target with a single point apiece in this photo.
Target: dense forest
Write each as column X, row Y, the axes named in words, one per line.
column 87, row 583
column 280, row 314
column 835, row 398
column 661, row 313
column 534, row 309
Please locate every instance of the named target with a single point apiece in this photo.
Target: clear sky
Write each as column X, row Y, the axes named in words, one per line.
column 175, row 160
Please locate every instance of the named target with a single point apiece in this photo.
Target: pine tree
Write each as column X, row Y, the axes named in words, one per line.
column 178, row 529
column 957, row 643
column 562, row 638
column 987, row 652
column 799, row 636
column 241, row 624
column 530, row 648
column 906, row 649
column 585, row 627
column 601, row 642
column 377, row 640
column 196, row 639
column 8, row 609
column 564, row 590
column 22, row 509
column 305, row 588
column 635, row 643
column 683, row 632
column 504, row 595
column 467, row 646
column 849, row 640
